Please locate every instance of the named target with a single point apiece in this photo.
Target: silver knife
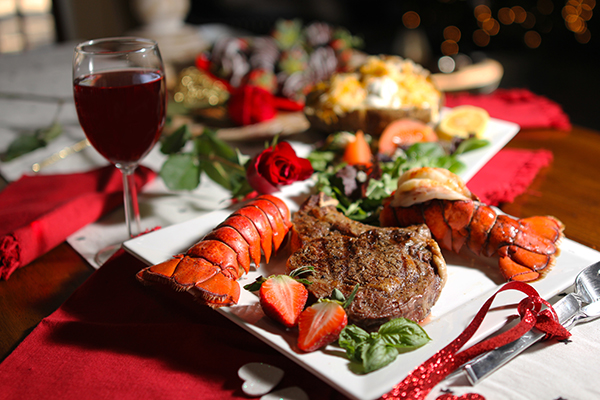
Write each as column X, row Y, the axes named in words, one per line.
column 487, row 363
column 580, row 306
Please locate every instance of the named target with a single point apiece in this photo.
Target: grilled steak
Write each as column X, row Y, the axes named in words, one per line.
column 400, row 271
column 319, row 217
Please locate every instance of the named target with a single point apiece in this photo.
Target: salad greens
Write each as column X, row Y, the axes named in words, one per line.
column 360, row 190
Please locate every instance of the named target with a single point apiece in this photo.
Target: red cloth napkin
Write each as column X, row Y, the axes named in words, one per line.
column 516, row 105
column 508, row 174
column 116, row 339
column 39, row 212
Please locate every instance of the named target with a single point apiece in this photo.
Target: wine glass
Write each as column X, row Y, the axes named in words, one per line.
column 120, row 96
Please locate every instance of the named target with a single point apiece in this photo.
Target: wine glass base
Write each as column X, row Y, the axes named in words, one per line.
column 104, row 254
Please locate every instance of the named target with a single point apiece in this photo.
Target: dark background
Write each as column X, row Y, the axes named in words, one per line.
column 561, row 68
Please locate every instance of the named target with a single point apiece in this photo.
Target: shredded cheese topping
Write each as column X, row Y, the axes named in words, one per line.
column 384, row 82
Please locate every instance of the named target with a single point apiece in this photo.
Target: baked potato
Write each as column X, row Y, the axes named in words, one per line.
column 381, row 90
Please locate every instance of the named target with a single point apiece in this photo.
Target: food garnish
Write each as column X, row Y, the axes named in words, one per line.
column 358, row 151
column 321, row 323
column 375, row 350
column 360, row 190
column 463, row 122
column 282, row 297
column 403, row 133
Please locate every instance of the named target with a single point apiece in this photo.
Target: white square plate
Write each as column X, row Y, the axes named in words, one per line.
column 471, row 281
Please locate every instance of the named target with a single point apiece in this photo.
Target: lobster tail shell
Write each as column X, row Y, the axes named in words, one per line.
column 527, row 248
column 232, row 238
column 210, row 268
column 262, row 225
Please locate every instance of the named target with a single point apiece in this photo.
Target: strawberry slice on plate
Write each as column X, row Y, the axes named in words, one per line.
column 320, row 324
column 282, row 298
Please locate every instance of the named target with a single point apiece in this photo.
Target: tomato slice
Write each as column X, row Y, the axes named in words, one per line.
column 404, row 132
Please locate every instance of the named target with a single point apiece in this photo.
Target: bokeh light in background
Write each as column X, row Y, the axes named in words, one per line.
column 533, row 21
column 576, row 14
column 411, row 20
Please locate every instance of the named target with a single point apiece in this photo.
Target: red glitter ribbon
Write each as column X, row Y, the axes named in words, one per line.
column 424, row 378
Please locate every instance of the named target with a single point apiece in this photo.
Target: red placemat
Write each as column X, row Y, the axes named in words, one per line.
column 520, row 106
column 508, row 174
column 115, row 339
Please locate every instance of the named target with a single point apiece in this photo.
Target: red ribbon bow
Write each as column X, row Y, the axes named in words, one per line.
column 424, row 378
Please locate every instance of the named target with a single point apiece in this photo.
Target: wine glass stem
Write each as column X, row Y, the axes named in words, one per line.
column 132, row 210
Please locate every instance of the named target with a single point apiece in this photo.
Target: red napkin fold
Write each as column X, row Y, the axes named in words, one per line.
column 508, row 174
column 520, row 106
column 39, row 212
column 116, row 339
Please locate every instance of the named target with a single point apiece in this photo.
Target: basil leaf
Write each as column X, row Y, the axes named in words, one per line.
column 377, row 349
column 176, row 141
column 350, row 340
column 403, row 334
column 181, row 172
column 377, row 354
column 425, row 149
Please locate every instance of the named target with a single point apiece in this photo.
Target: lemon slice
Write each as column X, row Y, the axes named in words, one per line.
column 462, row 122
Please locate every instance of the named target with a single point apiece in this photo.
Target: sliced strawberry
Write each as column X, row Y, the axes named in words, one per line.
column 282, row 298
column 320, row 324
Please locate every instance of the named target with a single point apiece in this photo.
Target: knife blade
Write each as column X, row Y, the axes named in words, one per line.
column 481, row 367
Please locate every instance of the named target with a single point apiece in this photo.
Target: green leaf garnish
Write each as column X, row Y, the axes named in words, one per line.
column 377, row 349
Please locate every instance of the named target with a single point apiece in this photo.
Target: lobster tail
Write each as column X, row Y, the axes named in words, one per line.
column 527, row 248
column 210, row 268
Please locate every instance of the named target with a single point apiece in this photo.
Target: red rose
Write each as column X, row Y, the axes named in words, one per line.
column 250, row 104
column 276, row 167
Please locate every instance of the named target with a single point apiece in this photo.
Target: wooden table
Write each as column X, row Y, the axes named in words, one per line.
column 568, row 189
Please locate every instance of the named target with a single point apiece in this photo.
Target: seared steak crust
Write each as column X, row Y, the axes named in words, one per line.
column 400, row 271
column 319, row 217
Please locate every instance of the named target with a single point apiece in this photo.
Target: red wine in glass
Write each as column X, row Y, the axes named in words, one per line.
column 120, row 96
column 121, row 112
